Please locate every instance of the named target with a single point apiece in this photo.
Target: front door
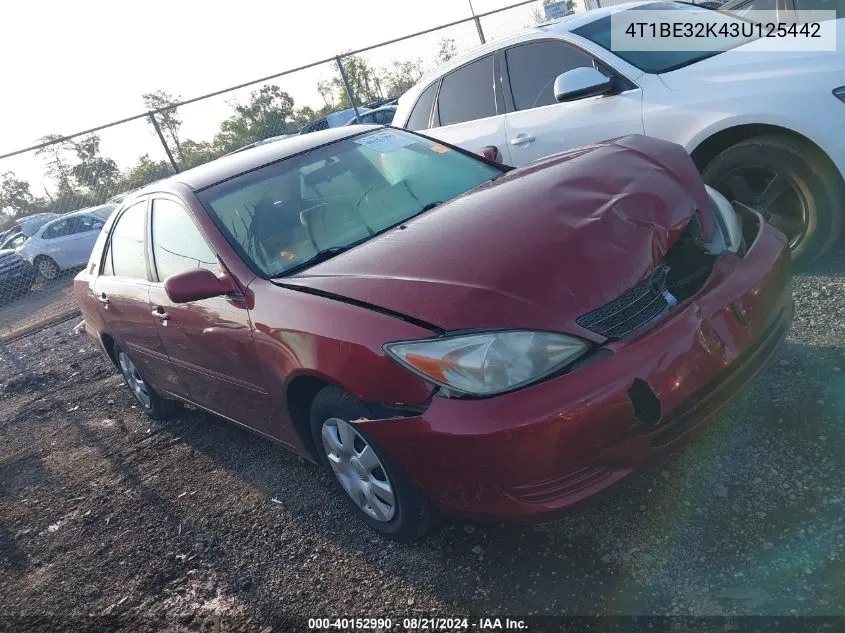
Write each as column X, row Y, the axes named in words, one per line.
column 210, row 342
column 539, row 126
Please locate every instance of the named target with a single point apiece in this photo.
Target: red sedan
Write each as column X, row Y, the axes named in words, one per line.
column 445, row 334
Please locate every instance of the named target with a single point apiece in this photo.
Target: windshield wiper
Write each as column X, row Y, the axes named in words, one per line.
column 429, row 207
column 321, row 256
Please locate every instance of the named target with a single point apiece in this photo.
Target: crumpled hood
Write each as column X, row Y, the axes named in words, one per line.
column 535, row 248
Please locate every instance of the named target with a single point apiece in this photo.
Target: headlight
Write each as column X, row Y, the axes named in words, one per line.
column 487, row 363
column 839, row 93
column 728, row 234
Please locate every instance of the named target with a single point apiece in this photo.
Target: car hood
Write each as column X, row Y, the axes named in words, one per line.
column 535, row 248
column 757, row 62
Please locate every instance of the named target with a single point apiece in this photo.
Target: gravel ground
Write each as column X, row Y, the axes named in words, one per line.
column 177, row 523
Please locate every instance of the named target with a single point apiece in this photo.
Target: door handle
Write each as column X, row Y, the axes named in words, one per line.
column 103, row 298
column 161, row 315
column 522, row 139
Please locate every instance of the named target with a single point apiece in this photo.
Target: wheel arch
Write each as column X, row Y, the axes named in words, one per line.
column 717, row 142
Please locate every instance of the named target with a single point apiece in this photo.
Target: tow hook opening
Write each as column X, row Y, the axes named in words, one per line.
column 645, row 403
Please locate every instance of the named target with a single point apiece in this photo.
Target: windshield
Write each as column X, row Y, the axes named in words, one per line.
column 655, row 61
column 281, row 216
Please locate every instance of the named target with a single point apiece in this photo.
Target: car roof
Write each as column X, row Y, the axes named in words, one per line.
column 564, row 24
column 232, row 165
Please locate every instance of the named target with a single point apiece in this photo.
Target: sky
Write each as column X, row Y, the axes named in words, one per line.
column 69, row 66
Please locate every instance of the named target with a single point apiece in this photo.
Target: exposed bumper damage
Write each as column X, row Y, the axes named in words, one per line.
column 538, row 450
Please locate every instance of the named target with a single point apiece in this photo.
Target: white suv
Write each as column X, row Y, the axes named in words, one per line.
column 766, row 128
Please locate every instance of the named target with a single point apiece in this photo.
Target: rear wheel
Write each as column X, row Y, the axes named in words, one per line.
column 47, row 268
column 379, row 492
column 153, row 404
column 794, row 189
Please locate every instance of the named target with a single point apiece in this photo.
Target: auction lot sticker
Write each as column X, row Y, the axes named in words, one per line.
column 385, row 141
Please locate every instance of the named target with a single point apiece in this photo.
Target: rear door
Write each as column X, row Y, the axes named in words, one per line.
column 122, row 290
column 469, row 108
column 210, row 342
column 538, row 126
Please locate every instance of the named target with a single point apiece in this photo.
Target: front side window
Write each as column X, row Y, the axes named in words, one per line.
column 334, row 197
column 125, row 257
column 467, row 94
column 533, row 68
column 178, row 246
column 59, row 228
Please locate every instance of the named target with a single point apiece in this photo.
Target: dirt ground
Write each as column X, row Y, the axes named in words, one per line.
column 173, row 525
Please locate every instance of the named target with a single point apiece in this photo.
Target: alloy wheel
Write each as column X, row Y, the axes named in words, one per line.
column 134, row 380
column 358, row 469
column 48, row 269
column 776, row 196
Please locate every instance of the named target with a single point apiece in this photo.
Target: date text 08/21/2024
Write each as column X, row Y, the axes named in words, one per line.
column 417, row 624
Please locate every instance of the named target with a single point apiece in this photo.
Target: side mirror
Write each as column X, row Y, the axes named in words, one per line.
column 582, row 82
column 198, row 284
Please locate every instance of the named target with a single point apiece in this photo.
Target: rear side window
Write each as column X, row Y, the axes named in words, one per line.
column 178, row 246
column 126, row 248
column 467, row 94
column 421, row 113
column 533, row 68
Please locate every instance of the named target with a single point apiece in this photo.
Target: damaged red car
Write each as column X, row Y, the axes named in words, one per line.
column 445, row 334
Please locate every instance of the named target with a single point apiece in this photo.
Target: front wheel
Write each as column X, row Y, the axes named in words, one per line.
column 47, row 268
column 380, row 494
column 794, row 189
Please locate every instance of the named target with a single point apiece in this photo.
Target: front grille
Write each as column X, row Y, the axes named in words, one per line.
column 628, row 313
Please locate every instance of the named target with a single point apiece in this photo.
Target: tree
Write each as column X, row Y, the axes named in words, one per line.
column 55, row 160
column 447, row 49
column 268, row 113
column 198, row 152
column 362, row 80
column 16, row 199
column 143, row 173
column 168, row 120
column 402, row 76
column 94, row 172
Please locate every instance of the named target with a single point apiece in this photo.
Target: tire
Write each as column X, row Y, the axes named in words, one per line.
column 412, row 514
column 810, row 206
column 47, row 268
column 150, row 401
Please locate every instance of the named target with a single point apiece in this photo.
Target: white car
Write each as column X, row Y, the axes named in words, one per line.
column 66, row 242
column 767, row 129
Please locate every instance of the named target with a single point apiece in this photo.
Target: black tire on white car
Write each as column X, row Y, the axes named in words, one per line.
column 377, row 490
column 794, row 188
column 46, row 267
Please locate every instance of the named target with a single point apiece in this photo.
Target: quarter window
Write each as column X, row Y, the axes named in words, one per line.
column 533, row 68
column 126, row 249
column 467, row 94
column 178, row 246
column 421, row 114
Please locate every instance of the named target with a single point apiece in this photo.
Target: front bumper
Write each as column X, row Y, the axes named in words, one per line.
column 538, row 450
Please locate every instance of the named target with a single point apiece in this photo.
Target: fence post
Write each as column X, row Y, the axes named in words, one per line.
column 163, row 142
column 477, row 24
column 348, row 88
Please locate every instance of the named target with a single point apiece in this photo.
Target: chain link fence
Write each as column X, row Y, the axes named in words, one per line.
column 56, row 195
